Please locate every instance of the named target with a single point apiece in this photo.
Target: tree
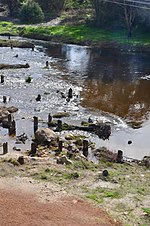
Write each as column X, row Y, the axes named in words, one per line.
column 31, row 12
column 129, row 15
column 51, row 6
column 13, row 5
column 106, row 13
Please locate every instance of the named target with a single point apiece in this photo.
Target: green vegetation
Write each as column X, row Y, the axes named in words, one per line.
column 147, row 211
column 59, row 176
column 75, row 34
column 31, row 12
column 99, row 194
column 28, row 79
column 14, row 162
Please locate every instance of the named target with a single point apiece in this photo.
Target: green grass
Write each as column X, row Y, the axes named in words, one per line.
column 50, row 174
column 99, row 194
column 147, row 211
column 75, row 34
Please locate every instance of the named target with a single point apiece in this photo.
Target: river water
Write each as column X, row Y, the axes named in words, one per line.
column 109, row 86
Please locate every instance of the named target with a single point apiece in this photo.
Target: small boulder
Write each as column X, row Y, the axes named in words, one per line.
column 45, row 135
column 63, row 160
column 21, row 160
column 146, row 161
column 3, row 114
column 12, row 109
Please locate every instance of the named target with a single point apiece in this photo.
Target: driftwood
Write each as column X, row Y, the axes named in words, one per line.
column 16, row 43
column 102, row 130
column 14, row 66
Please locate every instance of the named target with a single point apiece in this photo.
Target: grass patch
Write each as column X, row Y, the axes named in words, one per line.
column 75, row 34
column 99, row 194
column 14, row 162
column 147, row 211
column 55, row 175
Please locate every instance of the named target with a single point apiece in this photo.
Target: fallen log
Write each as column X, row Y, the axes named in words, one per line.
column 13, row 66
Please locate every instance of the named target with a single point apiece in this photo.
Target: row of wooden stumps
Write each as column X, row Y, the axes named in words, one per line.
column 12, row 131
column 35, row 118
column 60, row 148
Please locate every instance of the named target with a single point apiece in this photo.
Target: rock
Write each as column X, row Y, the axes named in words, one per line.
column 130, row 142
column 64, row 160
column 69, row 136
column 146, row 161
column 45, row 135
column 12, row 109
column 103, row 153
column 3, row 114
column 102, row 130
column 61, row 115
column 16, row 149
column 21, row 160
column 105, row 173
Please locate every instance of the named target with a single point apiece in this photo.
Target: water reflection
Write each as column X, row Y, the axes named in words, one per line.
column 111, row 79
column 127, row 100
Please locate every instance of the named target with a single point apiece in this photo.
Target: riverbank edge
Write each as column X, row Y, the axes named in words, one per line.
column 82, row 35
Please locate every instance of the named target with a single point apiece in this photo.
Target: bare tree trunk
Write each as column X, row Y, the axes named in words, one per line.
column 129, row 14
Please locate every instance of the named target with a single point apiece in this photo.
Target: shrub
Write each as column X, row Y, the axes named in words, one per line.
column 31, row 12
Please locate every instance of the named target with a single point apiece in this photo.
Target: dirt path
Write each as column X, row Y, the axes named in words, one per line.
column 24, row 209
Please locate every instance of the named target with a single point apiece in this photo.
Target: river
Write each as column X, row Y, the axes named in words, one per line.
column 109, row 86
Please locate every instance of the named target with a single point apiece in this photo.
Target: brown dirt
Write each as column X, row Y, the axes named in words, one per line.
column 24, row 209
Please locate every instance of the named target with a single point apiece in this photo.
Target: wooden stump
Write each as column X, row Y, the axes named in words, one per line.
column 5, row 148
column 35, row 123
column 85, row 148
column 119, row 156
column 49, row 120
column 33, row 149
column 12, row 128
column 2, row 79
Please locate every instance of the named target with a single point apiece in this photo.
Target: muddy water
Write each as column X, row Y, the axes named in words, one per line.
column 108, row 86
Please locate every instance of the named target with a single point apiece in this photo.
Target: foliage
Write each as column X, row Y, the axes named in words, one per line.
column 13, row 5
column 28, row 79
column 51, row 6
column 31, row 12
column 77, row 4
column 147, row 211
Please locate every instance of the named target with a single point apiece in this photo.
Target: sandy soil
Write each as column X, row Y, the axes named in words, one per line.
column 20, row 205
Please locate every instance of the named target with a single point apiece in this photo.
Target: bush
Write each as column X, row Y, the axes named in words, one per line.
column 31, row 12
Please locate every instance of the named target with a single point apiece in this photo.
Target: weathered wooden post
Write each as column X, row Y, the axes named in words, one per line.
column 2, row 78
column 33, row 149
column 49, row 120
column 9, row 120
column 70, row 152
column 12, row 129
column 59, row 124
column 60, row 146
column 21, row 160
column 119, row 156
column 47, row 63
column 4, row 99
column 70, row 93
column 38, row 98
column 5, row 148
column 85, row 148
column 35, row 123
